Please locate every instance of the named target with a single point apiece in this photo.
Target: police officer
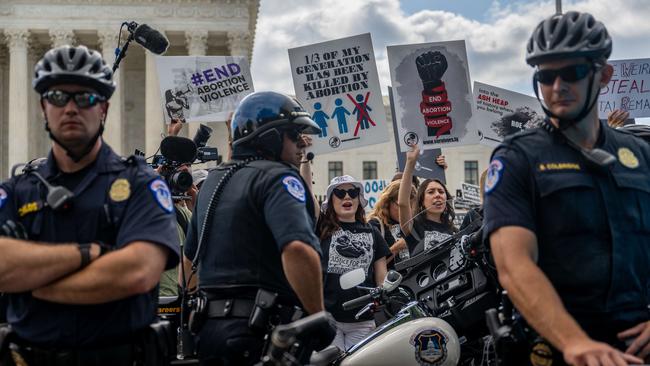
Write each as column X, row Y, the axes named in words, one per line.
column 568, row 208
column 254, row 237
column 96, row 230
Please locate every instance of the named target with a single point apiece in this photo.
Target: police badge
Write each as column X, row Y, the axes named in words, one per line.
column 430, row 347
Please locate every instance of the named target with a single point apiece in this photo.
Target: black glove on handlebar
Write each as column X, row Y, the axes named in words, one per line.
column 324, row 336
column 13, row 229
column 431, row 66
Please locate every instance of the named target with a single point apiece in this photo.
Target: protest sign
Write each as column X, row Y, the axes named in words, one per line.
column 629, row 89
column 202, row 88
column 372, row 189
column 337, row 83
column 471, row 193
column 432, row 94
column 500, row 112
column 426, row 166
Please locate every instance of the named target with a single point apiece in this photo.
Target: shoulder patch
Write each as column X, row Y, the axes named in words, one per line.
column 3, row 197
column 294, row 186
column 161, row 194
column 493, row 175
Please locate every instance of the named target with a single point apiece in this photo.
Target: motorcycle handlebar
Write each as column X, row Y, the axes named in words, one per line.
column 358, row 302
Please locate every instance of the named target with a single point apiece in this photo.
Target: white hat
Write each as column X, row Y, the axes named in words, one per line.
column 198, row 176
column 344, row 179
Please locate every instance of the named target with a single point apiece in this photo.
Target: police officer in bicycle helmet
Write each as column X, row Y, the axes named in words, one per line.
column 86, row 233
column 252, row 233
column 566, row 209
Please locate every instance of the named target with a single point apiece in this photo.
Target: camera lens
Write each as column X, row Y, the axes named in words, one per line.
column 181, row 181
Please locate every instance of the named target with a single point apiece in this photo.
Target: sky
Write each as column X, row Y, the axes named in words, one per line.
column 495, row 32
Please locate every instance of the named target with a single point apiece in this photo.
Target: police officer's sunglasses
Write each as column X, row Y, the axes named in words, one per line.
column 292, row 133
column 570, row 74
column 60, row 98
column 352, row 192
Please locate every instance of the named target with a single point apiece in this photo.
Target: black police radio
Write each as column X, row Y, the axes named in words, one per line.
column 58, row 197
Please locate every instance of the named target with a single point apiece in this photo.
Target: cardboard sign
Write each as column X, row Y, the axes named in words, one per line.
column 629, row 89
column 337, row 83
column 426, row 166
column 202, row 88
column 500, row 112
column 432, row 94
column 471, row 192
column 372, row 189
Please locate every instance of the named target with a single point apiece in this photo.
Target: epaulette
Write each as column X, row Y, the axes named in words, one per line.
column 520, row 134
column 133, row 160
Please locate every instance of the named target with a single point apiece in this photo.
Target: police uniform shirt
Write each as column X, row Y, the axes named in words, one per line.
column 117, row 202
column 592, row 224
column 263, row 207
column 352, row 246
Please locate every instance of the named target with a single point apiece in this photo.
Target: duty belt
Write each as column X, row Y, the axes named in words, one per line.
column 125, row 354
column 230, row 308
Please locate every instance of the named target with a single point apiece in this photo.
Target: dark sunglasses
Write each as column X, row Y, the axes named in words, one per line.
column 60, row 98
column 570, row 74
column 293, row 134
column 352, row 192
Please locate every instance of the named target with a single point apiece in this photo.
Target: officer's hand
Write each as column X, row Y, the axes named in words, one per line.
column 591, row 353
column 440, row 160
column 641, row 344
column 13, row 229
column 413, row 154
column 175, row 127
column 617, row 118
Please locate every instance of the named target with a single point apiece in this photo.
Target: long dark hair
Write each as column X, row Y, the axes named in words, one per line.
column 328, row 223
column 448, row 215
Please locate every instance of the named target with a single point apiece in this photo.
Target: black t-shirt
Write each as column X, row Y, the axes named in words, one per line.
column 392, row 233
column 354, row 245
column 426, row 234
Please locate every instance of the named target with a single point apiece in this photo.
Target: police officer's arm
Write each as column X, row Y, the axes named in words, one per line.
column 286, row 214
column 132, row 270
column 404, row 194
column 510, row 222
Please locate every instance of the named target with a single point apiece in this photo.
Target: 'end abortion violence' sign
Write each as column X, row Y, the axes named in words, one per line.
column 337, row 83
column 628, row 90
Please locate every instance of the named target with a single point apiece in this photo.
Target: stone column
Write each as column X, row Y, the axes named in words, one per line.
column 61, row 37
column 114, row 126
column 196, row 42
column 18, row 42
column 154, row 120
column 39, row 142
column 239, row 44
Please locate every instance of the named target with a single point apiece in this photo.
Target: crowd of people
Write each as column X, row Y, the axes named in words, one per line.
column 90, row 239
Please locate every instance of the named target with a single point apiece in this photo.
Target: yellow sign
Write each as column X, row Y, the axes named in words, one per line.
column 627, row 158
column 28, row 208
column 120, row 190
column 558, row 166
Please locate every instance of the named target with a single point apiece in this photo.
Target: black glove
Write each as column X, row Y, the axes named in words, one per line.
column 325, row 334
column 13, row 229
column 431, row 66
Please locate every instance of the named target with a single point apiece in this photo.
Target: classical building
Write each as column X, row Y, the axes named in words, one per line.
column 28, row 28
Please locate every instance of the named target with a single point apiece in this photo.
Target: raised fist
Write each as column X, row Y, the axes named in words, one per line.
column 13, row 229
column 431, row 66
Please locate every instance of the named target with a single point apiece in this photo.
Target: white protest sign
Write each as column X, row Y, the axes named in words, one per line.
column 202, row 88
column 500, row 112
column 372, row 189
column 337, row 83
column 432, row 94
column 471, row 192
column 629, row 89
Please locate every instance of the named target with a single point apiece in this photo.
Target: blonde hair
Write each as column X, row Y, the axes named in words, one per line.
column 381, row 211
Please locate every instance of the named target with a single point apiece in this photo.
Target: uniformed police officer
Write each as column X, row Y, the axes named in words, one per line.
column 256, row 233
column 83, row 283
column 568, row 208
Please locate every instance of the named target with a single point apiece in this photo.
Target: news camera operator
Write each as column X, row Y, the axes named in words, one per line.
column 86, row 233
column 567, row 206
column 252, row 234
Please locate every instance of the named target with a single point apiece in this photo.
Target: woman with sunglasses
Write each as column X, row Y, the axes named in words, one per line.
column 385, row 218
column 348, row 243
column 432, row 221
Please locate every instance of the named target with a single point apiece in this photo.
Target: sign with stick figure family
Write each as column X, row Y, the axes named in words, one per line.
column 202, row 88
column 337, row 82
column 432, row 93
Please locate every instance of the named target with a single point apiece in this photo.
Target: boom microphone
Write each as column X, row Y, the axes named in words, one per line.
column 178, row 149
column 149, row 38
column 310, row 156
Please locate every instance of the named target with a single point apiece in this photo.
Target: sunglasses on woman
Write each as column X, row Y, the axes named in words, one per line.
column 352, row 192
column 570, row 74
column 60, row 98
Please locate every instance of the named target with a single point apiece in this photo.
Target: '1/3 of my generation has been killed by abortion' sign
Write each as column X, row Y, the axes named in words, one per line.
column 337, row 83
column 202, row 88
column 629, row 89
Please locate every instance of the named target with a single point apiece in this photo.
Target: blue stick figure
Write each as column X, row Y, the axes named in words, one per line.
column 362, row 115
column 340, row 113
column 320, row 118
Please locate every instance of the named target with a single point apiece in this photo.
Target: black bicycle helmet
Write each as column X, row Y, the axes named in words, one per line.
column 641, row 131
column 568, row 35
column 73, row 65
